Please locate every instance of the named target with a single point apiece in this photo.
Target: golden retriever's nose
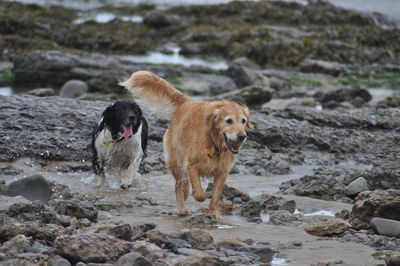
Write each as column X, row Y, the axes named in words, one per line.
column 241, row 136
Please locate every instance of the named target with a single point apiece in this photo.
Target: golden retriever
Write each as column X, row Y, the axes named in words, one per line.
column 202, row 139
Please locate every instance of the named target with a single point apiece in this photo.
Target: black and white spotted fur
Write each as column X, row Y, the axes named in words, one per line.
column 119, row 143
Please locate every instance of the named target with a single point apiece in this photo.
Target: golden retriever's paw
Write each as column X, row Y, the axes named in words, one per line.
column 199, row 196
column 215, row 213
column 183, row 213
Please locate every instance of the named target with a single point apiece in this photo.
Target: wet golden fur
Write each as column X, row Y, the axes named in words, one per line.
column 201, row 138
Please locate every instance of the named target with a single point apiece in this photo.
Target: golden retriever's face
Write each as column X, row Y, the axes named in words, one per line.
column 231, row 120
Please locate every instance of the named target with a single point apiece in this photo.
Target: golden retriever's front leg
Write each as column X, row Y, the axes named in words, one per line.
column 219, row 182
column 194, row 178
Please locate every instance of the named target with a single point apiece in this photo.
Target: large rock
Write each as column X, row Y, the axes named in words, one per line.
column 356, row 95
column 97, row 248
column 121, row 231
column 253, row 96
column 386, row 227
column 244, row 76
column 33, row 188
column 264, row 252
column 266, row 202
column 76, row 208
column 133, row 259
column 198, row 238
column 331, row 227
column 320, row 66
column 204, row 84
column 357, row 186
column 378, row 203
column 73, row 89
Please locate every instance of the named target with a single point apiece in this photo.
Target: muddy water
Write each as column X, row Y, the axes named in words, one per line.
column 158, row 189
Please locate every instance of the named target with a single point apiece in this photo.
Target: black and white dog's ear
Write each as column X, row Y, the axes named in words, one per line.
column 144, row 136
column 108, row 113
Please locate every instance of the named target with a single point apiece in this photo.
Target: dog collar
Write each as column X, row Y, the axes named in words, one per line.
column 108, row 142
column 213, row 154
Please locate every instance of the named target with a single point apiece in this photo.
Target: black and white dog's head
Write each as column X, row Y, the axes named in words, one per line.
column 122, row 119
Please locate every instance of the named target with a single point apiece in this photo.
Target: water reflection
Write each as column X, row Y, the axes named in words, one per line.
column 106, row 17
column 6, row 91
column 174, row 58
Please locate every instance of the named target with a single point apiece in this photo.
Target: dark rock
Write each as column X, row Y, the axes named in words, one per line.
column 264, row 252
column 352, row 94
column 33, row 188
column 252, row 96
column 244, row 76
column 203, row 220
column 393, row 260
column 386, row 227
column 8, row 170
column 157, row 19
column 73, row 89
column 198, row 238
column 391, row 101
column 174, row 244
column 121, row 231
column 32, row 229
column 343, row 214
column 266, row 202
column 133, row 259
column 229, row 193
column 379, row 203
column 91, row 247
column 76, row 208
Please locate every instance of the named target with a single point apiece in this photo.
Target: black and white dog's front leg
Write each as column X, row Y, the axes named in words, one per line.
column 130, row 174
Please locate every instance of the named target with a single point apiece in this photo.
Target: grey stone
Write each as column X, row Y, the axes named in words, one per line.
column 357, row 186
column 244, row 76
column 33, row 188
column 73, row 89
column 198, row 238
column 254, row 95
column 76, row 208
column 205, row 84
column 319, row 66
column 61, row 262
column 264, row 252
column 121, row 231
column 133, row 259
column 87, row 248
column 386, row 227
column 18, row 242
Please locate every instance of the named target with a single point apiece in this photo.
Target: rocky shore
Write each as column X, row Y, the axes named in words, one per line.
column 317, row 182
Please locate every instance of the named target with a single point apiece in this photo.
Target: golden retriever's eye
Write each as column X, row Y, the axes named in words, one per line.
column 243, row 121
column 229, row 121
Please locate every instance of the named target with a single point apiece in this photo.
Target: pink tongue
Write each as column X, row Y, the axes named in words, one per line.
column 127, row 131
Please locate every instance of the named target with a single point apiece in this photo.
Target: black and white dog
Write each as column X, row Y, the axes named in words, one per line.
column 119, row 143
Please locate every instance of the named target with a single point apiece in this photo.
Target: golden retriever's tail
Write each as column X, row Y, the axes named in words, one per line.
column 154, row 92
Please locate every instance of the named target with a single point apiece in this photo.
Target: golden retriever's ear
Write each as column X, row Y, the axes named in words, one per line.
column 249, row 125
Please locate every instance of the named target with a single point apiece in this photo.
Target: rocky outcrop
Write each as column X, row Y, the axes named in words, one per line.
column 378, row 203
column 87, row 248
